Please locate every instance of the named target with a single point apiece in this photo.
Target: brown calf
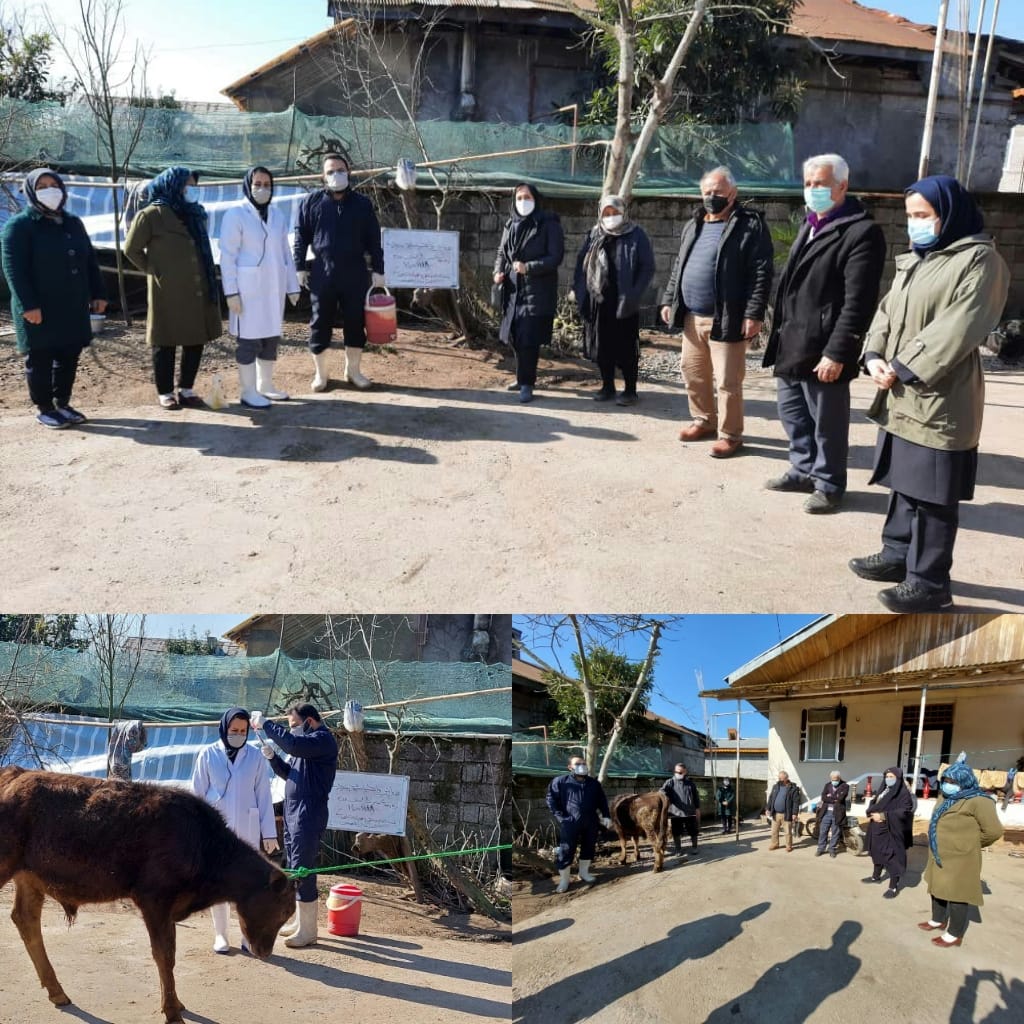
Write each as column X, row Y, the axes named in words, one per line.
column 641, row 814
column 82, row 840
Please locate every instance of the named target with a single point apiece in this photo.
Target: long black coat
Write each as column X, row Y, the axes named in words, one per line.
column 634, row 266
column 743, row 273
column 826, row 295
column 888, row 841
column 533, row 295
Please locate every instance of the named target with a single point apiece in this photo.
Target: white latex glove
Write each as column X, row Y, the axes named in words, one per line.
column 293, row 298
column 235, row 304
column 607, row 822
column 303, row 276
column 256, row 719
column 267, row 751
column 270, row 846
column 377, row 281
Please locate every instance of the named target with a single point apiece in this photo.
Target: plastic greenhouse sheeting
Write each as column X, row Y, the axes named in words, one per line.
column 531, row 756
column 225, row 144
column 191, row 688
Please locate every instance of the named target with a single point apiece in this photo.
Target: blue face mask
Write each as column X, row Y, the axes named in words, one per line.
column 922, row 231
column 192, row 194
column 950, row 788
column 819, row 199
column 890, row 782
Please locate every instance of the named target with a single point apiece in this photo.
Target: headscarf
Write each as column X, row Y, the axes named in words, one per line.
column 880, row 801
column 519, row 226
column 225, row 721
column 29, row 189
column 962, row 774
column 168, row 189
column 261, row 209
column 956, row 209
column 595, row 263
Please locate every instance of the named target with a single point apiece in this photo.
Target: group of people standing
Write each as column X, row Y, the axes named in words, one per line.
column 55, row 282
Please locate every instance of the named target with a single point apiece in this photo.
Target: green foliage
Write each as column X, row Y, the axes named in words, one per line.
column 187, row 644
column 56, row 631
column 613, row 677
column 25, row 61
column 732, row 68
column 166, row 101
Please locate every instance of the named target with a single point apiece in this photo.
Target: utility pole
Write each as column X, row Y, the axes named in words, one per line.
column 933, row 91
column 981, row 93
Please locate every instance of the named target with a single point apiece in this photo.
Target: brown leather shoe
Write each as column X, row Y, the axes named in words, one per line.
column 927, row 926
column 938, row 940
column 724, row 447
column 697, row 431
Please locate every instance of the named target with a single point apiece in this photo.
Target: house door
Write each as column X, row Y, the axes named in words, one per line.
column 933, row 743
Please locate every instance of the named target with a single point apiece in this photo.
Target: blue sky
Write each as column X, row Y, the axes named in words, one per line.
column 171, row 625
column 713, row 644
column 199, row 46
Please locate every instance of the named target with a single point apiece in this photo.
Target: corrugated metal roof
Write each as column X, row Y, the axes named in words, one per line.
column 835, row 20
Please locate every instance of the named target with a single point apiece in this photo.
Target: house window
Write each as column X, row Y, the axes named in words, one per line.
column 822, row 735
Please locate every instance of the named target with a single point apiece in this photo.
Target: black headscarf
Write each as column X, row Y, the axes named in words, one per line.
column 225, row 721
column 888, row 792
column 520, row 225
column 956, row 208
column 261, row 208
column 29, row 189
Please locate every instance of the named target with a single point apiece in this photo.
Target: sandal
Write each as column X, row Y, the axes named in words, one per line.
column 168, row 402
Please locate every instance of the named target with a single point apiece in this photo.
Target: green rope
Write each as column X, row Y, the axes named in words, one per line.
column 306, row 872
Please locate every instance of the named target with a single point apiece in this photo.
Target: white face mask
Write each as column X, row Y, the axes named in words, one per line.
column 524, row 207
column 236, row 739
column 337, row 181
column 261, row 196
column 580, row 769
column 51, row 198
column 611, row 223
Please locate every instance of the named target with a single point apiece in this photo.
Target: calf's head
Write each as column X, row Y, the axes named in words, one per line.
column 264, row 908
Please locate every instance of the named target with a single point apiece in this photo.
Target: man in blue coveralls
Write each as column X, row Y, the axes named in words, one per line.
column 578, row 804
column 308, row 771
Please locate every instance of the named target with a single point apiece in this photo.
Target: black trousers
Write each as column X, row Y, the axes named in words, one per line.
column 618, row 345
column 50, row 373
column 953, row 914
column 302, row 848
column 326, row 302
column 922, row 535
column 679, row 825
column 573, row 833
column 163, row 367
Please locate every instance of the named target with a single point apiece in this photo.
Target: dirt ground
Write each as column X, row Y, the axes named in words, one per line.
column 407, row 963
column 438, row 488
column 739, row 933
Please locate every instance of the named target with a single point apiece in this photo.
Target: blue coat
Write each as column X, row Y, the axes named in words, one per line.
column 50, row 266
column 342, row 233
column 308, row 773
column 634, row 265
column 577, row 799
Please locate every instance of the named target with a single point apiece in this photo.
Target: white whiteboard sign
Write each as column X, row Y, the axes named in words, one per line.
column 363, row 802
column 421, row 259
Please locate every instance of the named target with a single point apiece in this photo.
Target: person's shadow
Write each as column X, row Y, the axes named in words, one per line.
column 820, row 973
column 1011, row 991
column 579, row 996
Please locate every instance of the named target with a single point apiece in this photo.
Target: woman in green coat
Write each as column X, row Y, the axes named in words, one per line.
column 168, row 240
column 55, row 281
column 922, row 353
column 961, row 825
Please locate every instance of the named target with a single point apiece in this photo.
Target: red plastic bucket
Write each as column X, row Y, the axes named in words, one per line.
column 344, row 907
column 381, row 318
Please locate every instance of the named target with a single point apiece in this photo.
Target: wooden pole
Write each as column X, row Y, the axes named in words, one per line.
column 933, row 91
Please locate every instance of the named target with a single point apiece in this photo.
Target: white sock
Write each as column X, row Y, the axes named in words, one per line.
column 946, row 937
column 935, row 924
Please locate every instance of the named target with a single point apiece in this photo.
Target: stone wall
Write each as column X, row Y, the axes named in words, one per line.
column 479, row 218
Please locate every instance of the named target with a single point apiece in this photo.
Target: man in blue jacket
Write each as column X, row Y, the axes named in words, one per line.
column 578, row 804
column 342, row 228
column 308, row 771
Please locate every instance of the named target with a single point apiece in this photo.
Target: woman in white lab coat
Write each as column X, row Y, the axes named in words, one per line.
column 257, row 272
column 233, row 777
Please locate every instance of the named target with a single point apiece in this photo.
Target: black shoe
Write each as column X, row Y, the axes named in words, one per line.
column 879, row 568
column 604, row 395
column 833, row 854
column 52, row 418
column 786, row 482
column 627, row 398
column 872, row 878
column 820, row 503
column 889, row 894
column 819, row 853
column 909, row 597
column 73, row 416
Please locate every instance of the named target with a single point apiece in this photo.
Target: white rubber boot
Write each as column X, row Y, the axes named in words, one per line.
column 291, row 926
column 353, row 357
column 306, row 934
column 320, row 380
column 563, row 880
column 250, row 396
column 585, row 875
column 220, row 913
column 265, row 381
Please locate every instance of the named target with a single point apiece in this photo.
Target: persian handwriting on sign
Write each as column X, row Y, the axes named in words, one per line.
column 421, row 259
column 361, row 802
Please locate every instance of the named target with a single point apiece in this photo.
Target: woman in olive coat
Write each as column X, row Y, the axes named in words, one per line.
column 168, row 240
column 890, row 831
column 963, row 823
column 55, row 281
column 922, row 353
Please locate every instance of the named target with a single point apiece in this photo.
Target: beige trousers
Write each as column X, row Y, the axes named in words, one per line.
column 779, row 821
column 703, row 362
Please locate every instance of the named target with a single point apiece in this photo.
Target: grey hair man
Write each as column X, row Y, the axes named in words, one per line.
column 824, row 302
column 831, row 813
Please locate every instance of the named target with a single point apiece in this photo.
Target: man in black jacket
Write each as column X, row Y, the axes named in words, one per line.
column 831, row 812
column 824, row 302
column 683, row 807
column 717, row 293
column 782, row 807
column 578, row 804
column 342, row 228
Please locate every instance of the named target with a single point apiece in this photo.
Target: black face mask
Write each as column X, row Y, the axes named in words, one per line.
column 715, row 204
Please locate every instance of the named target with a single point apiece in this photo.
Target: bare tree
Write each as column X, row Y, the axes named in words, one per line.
column 112, row 76
column 115, row 647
